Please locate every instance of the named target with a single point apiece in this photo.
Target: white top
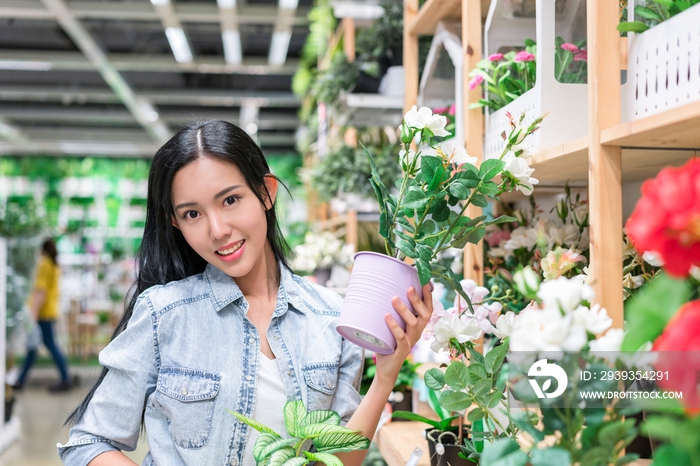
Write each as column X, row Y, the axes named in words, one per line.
column 270, row 399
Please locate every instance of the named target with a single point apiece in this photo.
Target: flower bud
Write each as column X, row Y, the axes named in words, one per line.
column 562, row 209
column 527, row 282
column 406, row 134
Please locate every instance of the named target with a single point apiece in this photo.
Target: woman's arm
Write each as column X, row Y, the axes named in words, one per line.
column 38, row 299
column 112, row 458
column 366, row 417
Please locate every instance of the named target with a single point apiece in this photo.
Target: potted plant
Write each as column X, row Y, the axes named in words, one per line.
column 423, row 217
column 319, row 429
column 319, row 252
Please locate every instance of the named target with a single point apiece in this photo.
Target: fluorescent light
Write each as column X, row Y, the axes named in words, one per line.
column 232, row 46
column 289, row 4
column 25, row 65
column 160, row 2
column 279, row 47
column 179, row 45
column 231, row 4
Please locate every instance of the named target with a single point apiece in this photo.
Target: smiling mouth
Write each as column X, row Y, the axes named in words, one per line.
column 231, row 250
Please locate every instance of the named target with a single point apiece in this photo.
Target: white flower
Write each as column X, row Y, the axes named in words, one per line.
column 521, row 171
column 453, row 152
column 653, row 258
column 581, row 213
column 463, row 327
column 504, row 325
column 546, row 330
column 564, row 235
column 321, row 250
column 610, row 342
column 594, row 320
column 565, row 293
column 424, row 118
column 500, row 252
column 525, row 154
column 632, row 281
column 628, row 249
column 521, row 237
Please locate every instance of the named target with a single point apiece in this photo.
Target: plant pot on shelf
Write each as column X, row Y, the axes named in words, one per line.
column 443, row 447
column 401, row 401
column 392, row 57
column 374, row 281
column 366, row 84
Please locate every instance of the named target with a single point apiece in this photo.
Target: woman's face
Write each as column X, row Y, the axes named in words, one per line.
column 219, row 215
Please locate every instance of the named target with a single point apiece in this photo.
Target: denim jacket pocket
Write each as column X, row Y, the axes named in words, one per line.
column 186, row 398
column 322, row 379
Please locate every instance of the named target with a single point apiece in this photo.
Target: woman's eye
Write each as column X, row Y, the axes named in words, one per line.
column 191, row 214
column 230, row 200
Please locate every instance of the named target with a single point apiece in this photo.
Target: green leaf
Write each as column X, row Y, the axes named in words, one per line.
column 470, row 236
column 490, row 168
column 267, row 443
column 414, row 198
column 476, row 357
column 253, row 423
column 316, row 430
column 321, row 416
column 644, row 12
column 501, row 219
column 634, row 26
column 384, row 224
column 414, row 417
column 406, row 225
column 425, row 253
column 459, row 190
column 475, row 414
column 479, row 200
column 429, row 166
column 424, row 272
column 489, row 189
column 482, row 387
column 279, row 457
column 503, row 452
column 649, row 310
column 428, row 227
column 334, row 443
column 671, row 455
column 553, row 456
column 298, row 461
column 407, row 248
column 326, row 458
column 628, row 458
column 457, row 376
column 494, row 358
column 437, row 179
column 494, row 399
column 614, row 432
column 454, row 401
column 434, row 379
column 294, row 412
column 521, row 420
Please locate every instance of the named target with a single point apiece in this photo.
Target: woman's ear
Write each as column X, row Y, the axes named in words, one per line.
column 173, row 220
column 271, row 185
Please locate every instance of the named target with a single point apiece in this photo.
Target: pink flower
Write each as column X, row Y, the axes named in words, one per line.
column 582, row 55
column 452, row 110
column 524, row 55
column 569, row 47
column 439, row 110
column 495, row 56
column 495, row 238
column 475, row 81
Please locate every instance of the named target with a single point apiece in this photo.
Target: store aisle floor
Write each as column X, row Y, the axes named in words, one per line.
column 42, row 415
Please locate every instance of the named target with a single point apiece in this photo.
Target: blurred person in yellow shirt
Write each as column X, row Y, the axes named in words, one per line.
column 43, row 305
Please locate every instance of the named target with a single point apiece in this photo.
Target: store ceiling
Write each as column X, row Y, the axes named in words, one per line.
column 117, row 77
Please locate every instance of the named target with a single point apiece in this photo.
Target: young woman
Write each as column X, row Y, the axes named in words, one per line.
column 219, row 322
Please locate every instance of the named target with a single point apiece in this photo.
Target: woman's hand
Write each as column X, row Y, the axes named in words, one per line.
column 388, row 365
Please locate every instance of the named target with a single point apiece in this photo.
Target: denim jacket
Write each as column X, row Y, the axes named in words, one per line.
column 189, row 354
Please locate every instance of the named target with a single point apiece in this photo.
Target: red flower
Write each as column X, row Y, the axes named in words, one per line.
column 667, row 218
column 679, row 345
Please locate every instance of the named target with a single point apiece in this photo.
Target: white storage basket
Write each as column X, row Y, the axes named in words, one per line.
column 663, row 67
column 566, row 103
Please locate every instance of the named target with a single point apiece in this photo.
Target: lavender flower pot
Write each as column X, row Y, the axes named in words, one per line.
column 375, row 280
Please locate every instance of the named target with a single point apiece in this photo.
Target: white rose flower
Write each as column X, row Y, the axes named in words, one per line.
column 500, row 252
column 594, row 320
column 462, row 327
column 653, row 258
column 546, row 330
column 564, row 235
column 565, row 293
column 610, row 342
column 521, row 171
column 521, row 237
column 424, row 118
column 525, row 154
column 504, row 325
column 453, row 152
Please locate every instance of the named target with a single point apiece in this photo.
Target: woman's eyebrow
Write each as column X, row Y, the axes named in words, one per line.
column 216, row 196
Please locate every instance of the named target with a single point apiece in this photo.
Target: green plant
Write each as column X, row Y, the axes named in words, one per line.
column 444, row 422
column 340, row 76
column 403, row 381
column 384, row 36
column 319, row 428
column 655, row 12
column 439, row 183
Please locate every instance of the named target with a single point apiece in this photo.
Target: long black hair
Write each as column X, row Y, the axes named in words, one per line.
column 164, row 255
column 49, row 249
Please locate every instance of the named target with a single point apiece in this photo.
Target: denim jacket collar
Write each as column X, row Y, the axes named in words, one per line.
column 225, row 291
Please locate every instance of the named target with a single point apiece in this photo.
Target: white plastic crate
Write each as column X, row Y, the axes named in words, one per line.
column 566, row 103
column 663, row 65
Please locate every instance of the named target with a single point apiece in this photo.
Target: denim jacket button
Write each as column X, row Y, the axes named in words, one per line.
column 277, row 337
column 234, row 462
column 290, row 372
column 183, row 392
column 249, row 377
column 251, row 340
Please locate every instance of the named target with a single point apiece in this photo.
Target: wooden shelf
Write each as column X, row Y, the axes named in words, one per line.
column 432, row 12
column 397, row 440
column 675, row 128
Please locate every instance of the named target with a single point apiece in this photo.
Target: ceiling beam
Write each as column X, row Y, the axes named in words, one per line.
column 282, row 34
column 14, row 135
column 194, row 97
column 230, row 33
column 141, row 108
column 30, row 60
column 192, row 12
column 121, row 117
column 182, row 50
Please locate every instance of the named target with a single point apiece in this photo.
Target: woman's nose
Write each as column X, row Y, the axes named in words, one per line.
column 218, row 227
